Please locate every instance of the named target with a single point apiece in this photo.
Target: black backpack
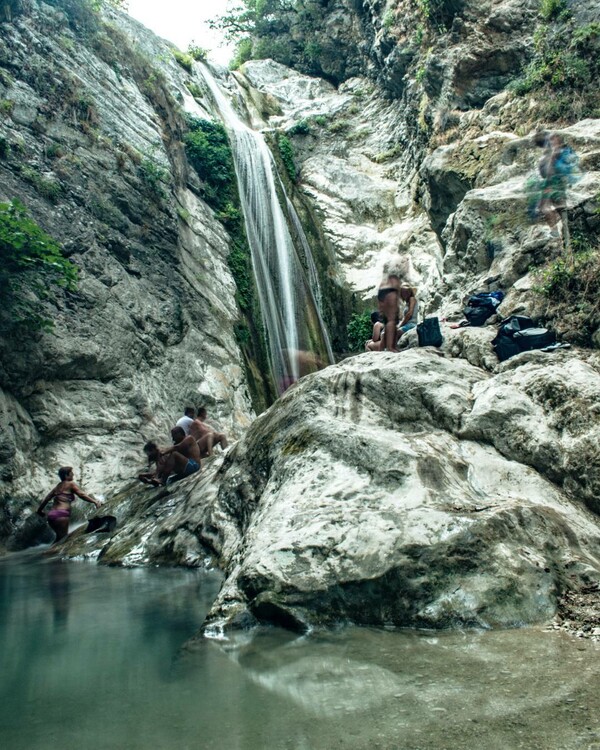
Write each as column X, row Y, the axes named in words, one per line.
column 429, row 332
column 519, row 334
column 482, row 306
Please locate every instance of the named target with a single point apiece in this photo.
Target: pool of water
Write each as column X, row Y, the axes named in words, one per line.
column 94, row 658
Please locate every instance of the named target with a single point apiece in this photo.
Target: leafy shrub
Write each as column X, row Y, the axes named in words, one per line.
column 197, row 53
column 286, row 151
column 186, row 61
column 302, row 127
column 565, row 66
column 152, row 175
column 359, row 329
column 31, row 264
column 570, row 287
column 6, row 108
column 209, row 152
column 550, row 9
column 243, row 53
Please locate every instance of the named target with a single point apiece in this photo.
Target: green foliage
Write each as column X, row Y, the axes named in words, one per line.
column 302, row 127
column 570, row 286
column 186, row 61
column 6, row 108
column 48, row 188
column 243, row 53
column 439, row 14
column 339, row 126
column 209, row 152
column 196, row 52
column 4, row 148
column 153, row 175
column 565, row 67
column 550, row 9
column 286, row 151
column 31, row 264
column 359, row 329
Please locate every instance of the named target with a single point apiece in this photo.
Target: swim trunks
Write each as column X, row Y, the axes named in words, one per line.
column 58, row 513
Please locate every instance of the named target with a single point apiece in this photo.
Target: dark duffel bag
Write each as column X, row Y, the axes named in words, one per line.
column 429, row 332
column 505, row 347
column 482, row 306
column 533, row 338
column 515, row 323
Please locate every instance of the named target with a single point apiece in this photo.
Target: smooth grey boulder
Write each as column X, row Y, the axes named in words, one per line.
column 408, row 490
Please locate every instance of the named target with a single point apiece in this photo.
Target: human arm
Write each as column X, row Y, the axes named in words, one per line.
column 409, row 311
column 45, row 501
column 83, row 496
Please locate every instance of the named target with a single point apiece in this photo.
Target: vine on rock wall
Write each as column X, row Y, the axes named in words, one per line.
column 32, row 266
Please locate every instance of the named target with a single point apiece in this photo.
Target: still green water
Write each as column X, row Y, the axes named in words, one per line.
column 91, row 658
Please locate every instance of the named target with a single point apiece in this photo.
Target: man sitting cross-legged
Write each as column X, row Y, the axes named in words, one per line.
column 174, row 463
column 205, row 435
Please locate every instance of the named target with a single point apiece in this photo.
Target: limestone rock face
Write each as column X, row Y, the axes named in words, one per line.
column 407, row 490
column 92, row 134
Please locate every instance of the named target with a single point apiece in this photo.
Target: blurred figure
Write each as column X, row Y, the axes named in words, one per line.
column 388, row 296
column 63, row 496
column 558, row 169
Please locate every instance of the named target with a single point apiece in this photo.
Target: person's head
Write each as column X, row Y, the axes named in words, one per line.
column 65, row 473
column 406, row 292
column 178, row 434
column 151, row 450
column 540, row 139
column 189, row 411
column 375, row 317
column 202, row 413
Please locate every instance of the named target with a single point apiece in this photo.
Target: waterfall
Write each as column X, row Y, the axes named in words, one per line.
column 289, row 295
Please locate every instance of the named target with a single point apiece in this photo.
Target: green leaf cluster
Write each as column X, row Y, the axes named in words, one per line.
column 565, row 66
column 31, row 264
column 359, row 329
column 286, row 151
column 209, row 152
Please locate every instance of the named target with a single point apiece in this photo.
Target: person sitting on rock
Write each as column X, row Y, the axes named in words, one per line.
column 408, row 295
column 205, row 435
column 170, row 465
column 374, row 343
column 187, row 419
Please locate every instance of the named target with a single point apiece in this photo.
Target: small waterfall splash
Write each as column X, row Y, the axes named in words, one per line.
column 297, row 338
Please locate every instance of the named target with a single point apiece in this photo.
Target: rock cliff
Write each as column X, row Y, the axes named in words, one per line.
column 430, row 489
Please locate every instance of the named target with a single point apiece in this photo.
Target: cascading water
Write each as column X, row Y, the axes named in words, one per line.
column 297, row 338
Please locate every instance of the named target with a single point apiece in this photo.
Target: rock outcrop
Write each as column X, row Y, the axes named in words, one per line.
column 92, row 145
column 411, row 490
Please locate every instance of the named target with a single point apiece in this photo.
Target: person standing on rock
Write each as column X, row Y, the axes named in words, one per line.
column 558, row 168
column 63, row 495
column 188, row 417
column 205, row 435
column 388, row 298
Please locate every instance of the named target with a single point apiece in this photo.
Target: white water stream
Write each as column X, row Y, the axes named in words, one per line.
column 296, row 335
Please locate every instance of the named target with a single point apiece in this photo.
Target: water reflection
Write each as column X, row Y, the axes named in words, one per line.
column 92, row 658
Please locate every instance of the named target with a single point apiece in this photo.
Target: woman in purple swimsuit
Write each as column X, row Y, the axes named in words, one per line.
column 63, row 495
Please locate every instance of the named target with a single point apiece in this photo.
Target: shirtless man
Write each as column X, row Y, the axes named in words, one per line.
column 205, row 436
column 168, row 462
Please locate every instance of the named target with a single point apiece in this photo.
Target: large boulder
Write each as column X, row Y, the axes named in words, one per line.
column 406, row 490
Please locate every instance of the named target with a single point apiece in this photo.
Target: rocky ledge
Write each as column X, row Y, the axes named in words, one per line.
column 407, row 490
